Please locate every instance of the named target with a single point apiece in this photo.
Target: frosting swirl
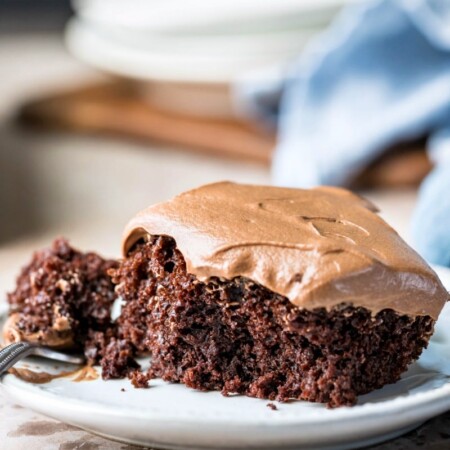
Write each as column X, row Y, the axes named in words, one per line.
column 318, row 247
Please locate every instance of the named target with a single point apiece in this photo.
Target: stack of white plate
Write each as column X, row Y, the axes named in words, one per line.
column 186, row 53
column 194, row 40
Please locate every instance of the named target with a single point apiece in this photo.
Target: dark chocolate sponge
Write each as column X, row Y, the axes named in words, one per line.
column 239, row 337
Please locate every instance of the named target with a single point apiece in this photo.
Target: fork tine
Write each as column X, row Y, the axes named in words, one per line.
column 13, row 353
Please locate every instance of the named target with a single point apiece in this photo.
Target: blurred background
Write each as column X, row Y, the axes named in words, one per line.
column 106, row 108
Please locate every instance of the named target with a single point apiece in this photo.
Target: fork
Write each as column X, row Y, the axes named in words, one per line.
column 13, row 353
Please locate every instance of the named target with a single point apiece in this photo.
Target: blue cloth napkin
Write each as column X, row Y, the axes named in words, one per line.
column 379, row 75
column 431, row 220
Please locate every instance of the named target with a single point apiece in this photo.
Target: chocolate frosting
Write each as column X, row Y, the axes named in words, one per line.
column 318, row 247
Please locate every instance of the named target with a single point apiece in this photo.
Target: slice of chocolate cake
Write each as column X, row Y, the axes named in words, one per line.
column 63, row 299
column 274, row 293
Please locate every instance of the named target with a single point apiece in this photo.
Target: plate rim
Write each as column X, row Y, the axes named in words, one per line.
column 365, row 411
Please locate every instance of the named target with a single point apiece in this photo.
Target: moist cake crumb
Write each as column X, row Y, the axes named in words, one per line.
column 117, row 359
column 272, row 406
column 62, row 297
column 139, row 379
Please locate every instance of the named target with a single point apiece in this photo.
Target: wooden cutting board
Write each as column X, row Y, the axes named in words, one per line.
column 118, row 108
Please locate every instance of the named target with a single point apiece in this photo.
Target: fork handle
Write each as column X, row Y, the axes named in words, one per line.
column 13, row 353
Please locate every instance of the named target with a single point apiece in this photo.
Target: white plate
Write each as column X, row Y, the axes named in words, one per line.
column 173, row 416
